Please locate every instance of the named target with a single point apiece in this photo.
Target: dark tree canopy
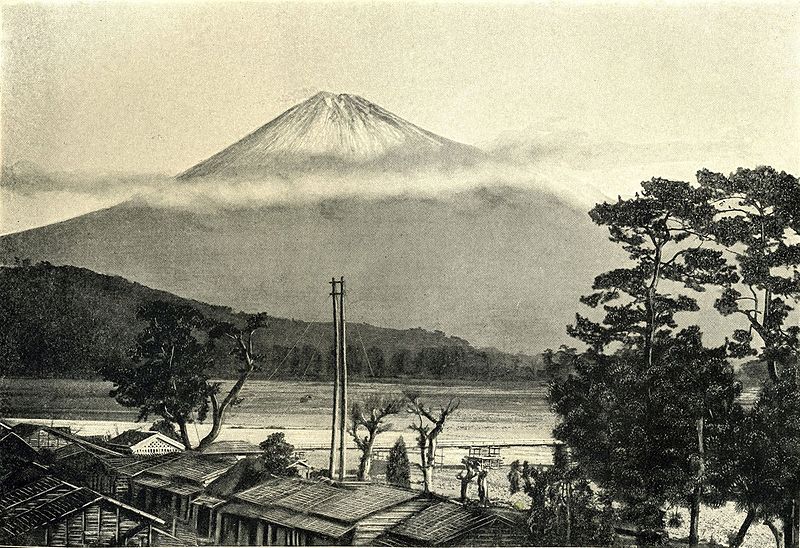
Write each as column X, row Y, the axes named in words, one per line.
column 168, row 375
column 757, row 224
column 654, row 228
column 170, row 369
column 167, row 428
column 278, row 455
column 757, row 221
column 398, row 468
column 647, row 396
column 565, row 511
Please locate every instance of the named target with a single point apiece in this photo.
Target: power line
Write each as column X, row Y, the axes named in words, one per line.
column 358, row 332
column 289, row 352
column 308, row 326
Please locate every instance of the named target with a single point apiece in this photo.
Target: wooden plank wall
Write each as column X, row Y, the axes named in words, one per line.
column 122, row 487
column 95, row 524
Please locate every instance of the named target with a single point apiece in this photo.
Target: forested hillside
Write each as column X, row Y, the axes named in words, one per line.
column 64, row 321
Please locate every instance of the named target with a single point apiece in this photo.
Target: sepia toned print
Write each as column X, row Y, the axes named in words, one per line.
column 400, row 274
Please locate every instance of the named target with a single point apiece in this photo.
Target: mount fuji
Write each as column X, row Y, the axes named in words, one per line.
column 496, row 264
column 333, row 132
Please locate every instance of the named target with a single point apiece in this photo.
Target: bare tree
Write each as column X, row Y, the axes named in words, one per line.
column 428, row 430
column 370, row 415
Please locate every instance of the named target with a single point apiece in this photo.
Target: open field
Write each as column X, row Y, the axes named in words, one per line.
column 302, row 411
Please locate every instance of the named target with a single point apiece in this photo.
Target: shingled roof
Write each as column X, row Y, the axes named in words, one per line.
column 346, row 503
column 126, row 465
column 76, row 441
column 48, row 499
column 442, row 523
column 317, row 506
column 291, row 519
column 232, row 447
column 25, row 429
column 131, row 437
column 193, row 467
column 13, row 446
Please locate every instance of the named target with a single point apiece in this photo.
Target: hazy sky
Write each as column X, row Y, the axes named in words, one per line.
column 156, row 88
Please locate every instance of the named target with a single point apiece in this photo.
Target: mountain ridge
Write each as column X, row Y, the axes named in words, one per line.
column 69, row 321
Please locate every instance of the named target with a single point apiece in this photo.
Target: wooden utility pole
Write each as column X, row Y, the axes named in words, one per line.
column 337, row 420
column 338, row 466
column 343, row 387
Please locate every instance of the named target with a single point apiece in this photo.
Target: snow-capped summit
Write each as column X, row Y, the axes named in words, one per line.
column 332, row 131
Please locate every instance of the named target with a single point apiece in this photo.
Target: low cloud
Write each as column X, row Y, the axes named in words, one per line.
column 569, row 165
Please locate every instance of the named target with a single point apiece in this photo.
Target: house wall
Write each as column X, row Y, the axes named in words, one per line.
column 233, row 530
column 153, row 446
column 84, row 469
column 13, row 446
column 122, row 488
column 100, row 523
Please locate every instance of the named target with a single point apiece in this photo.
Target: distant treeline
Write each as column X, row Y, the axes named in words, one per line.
column 450, row 362
column 64, row 321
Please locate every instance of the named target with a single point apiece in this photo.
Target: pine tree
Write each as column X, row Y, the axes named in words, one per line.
column 645, row 398
column 757, row 223
column 398, row 468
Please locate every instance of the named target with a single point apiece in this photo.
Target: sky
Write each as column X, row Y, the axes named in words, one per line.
column 616, row 90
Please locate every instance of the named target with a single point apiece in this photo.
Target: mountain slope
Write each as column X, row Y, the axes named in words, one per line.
column 500, row 268
column 68, row 321
column 333, row 132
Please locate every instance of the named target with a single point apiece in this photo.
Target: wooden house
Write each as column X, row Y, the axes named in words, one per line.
column 19, row 462
column 243, row 475
column 167, row 488
column 15, row 474
column 14, row 447
column 52, row 512
column 42, row 437
column 109, row 474
column 146, row 443
column 298, row 512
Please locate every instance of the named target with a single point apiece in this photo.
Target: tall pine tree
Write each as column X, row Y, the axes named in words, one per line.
column 626, row 412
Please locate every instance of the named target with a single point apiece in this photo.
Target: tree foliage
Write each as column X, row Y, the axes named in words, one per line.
column 169, row 371
column 565, row 511
column 278, row 455
column 559, row 364
column 167, row 428
column 757, row 224
column 398, row 468
column 757, row 221
column 757, row 462
column 633, row 409
column 654, row 228
column 64, row 321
